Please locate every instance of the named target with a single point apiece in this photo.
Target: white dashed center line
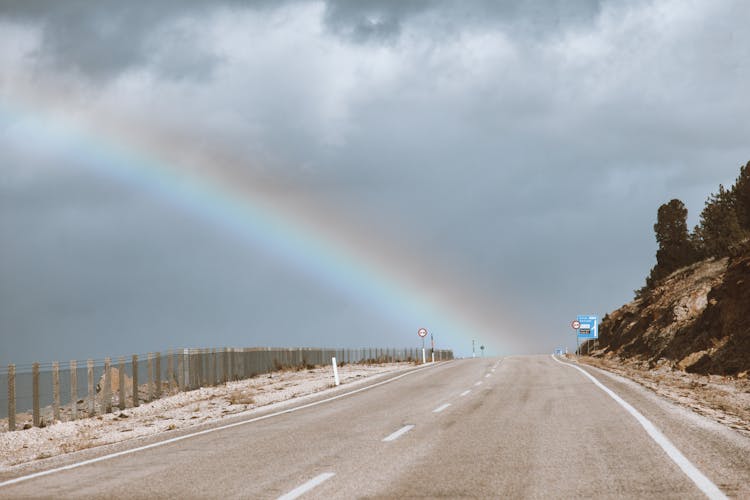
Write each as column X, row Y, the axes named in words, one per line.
column 467, row 391
column 312, row 483
column 403, row 430
column 488, row 375
column 441, row 408
column 478, row 383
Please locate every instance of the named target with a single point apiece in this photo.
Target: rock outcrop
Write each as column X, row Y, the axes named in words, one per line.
column 697, row 320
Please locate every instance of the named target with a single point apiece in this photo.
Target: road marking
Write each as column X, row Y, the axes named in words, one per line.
column 205, row 431
column 493, row 370
column 467, row 391
column 478, row 384
column 488, row 375
column 701, row 481
column 302, row 489
column 403, row 430
column 441, row 408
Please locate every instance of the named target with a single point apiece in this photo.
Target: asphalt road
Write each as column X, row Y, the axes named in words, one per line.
column 518, row 427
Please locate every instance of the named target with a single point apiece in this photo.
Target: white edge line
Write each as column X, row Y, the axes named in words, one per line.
column 403, row 430
column 304, row 488
column 441, row 408
column 701, row 481
column 467, row 391
column 200, row 433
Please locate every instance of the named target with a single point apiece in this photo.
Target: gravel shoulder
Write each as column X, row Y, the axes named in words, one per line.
column 179, row 411
column 725, row 400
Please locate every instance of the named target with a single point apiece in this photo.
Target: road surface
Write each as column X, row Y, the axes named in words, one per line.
column 517, row 427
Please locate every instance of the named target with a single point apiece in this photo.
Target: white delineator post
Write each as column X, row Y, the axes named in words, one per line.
column 433, row 357
column 335, row 371
column 424, row 359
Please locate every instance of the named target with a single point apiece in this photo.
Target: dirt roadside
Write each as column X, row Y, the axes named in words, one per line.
column 179, row 411
column 723, row 399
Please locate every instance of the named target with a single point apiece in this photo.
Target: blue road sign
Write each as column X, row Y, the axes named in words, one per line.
column 589, row 328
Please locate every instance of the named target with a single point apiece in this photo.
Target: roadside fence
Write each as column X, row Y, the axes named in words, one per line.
column 39, row 394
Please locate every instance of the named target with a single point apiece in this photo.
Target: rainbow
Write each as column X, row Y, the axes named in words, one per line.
column 267, row 215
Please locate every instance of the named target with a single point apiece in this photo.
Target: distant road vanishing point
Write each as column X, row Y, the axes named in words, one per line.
column 517, row 427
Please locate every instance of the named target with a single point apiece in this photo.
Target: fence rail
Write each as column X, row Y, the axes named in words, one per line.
column 38, row 394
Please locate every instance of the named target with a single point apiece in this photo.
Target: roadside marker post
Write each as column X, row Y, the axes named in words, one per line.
column 335, row 371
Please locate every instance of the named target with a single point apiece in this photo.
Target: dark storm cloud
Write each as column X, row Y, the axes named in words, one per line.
column 382, row 21
column 103, row 39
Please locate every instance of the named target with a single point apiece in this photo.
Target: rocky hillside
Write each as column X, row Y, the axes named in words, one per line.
column 696, row 320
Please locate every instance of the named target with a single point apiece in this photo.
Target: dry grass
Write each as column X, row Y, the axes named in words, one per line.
column 241, row 397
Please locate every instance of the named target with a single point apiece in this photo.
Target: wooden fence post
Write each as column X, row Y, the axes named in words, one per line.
column 121, row 383
column 180, row 371
column 107, row 389
column 56, row 391
column 92, row 394
column 225, row 366
column 158, row 375
column 11, row 397
column 35, row 394
column 150, row 372
column 210, row 374
column 204, row 367
column 229, row 363
column 170, row 372
column 135, row 381
column 73, row 389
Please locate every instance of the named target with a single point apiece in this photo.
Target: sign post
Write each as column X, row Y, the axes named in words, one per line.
column 576, row 325
column 587, row 328
column 422, row 332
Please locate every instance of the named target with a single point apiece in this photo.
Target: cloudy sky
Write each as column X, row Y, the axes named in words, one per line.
column 342, row 173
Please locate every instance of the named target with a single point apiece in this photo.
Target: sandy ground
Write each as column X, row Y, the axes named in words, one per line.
column 723, row 399
column 179, row 411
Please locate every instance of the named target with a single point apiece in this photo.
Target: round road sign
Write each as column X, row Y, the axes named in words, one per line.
column 576, row 325
column 422, row 332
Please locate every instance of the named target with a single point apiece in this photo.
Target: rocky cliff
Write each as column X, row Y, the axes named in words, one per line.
column 696, row 320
